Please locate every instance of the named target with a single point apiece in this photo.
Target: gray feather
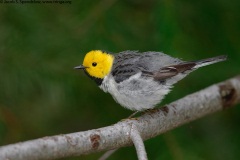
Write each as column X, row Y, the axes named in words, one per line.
column 128, row 63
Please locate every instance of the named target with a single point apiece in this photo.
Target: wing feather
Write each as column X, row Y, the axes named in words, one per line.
column 172, row 70
column 154, row 64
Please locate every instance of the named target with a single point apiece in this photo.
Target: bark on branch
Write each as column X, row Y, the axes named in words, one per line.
column 214, row 98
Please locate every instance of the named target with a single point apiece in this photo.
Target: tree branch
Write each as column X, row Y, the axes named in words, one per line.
column 214, row 98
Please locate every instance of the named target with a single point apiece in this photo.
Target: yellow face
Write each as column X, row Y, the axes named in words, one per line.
column 98, row 63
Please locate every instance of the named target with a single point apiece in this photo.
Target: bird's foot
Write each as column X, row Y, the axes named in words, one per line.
column 130, row 117
column 153, row 110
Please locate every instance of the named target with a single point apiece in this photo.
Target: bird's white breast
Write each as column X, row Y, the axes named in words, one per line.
column 135, row 93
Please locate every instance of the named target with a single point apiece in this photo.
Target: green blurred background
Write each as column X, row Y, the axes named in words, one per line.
column 41, row 94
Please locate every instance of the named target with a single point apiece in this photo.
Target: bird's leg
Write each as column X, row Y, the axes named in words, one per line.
column 153, row 110
column 133, row 114
column 130, row 117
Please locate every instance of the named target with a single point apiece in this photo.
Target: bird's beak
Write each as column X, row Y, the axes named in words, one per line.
column 80, row 67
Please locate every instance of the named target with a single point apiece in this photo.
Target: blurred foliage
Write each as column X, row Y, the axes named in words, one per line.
column 41, row 94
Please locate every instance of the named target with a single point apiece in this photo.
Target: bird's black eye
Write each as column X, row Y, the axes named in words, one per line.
column 94, row 64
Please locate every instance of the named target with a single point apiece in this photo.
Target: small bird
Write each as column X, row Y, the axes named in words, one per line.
column 138, row 81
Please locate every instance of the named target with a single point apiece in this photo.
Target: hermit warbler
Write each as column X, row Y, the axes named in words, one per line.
column 138, row 81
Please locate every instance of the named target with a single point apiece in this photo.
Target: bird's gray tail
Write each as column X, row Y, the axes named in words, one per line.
column 208, row 61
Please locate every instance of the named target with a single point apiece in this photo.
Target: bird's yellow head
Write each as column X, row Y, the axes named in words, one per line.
column 97, row 64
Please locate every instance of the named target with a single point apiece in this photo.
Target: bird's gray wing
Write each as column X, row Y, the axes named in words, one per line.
column 125, row 65
column 172, row 70
column 152, row 64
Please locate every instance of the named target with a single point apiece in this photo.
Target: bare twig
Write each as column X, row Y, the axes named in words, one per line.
column 138, row 143
column 110, row 152
column 214, row 98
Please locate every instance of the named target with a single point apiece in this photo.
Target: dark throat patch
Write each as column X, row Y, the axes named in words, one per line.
column 97, row 80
